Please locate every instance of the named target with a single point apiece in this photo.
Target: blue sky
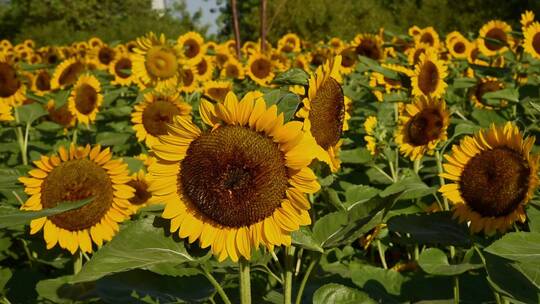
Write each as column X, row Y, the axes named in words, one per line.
column 208, row 17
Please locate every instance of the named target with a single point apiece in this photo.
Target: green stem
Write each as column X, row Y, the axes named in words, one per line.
column 74, row 137
column 245, row 281
column 216, row 285
column 456, row 289
column 77, row 262
column 20, row 138
column 381, row 254
column 289, row 269
column 311, row 266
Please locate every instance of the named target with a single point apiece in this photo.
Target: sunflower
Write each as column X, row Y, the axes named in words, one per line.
column 12, row 90
column 335, row 43
column 494, row 38
column 85, row 99
column 428, row 36
column 349, row 58
column 205, row 68
column 67, row 73
column 41, row 82
column 95, row 42
column 429, row 74
column 217, row 90
column 142, row 196
column 249, row 47
column 192, row 46
column 320, row 54
column 73, row 175
column 289, row 43
column 222, row 56
column 103, row 56
column 486, row 85
column 301, row 62
column 458, row 46
column 151, row 116
column 280, row 61
column 61, row 115
column 371, row 142
column 325, row 111
column 156, row 63
column 260, row 69
column 189, row 80
column 414, row 31
column 527, row 18
column 369, row 46
column 241, row 183
column 493, row 176
column 414, row 53
column 233, row 69
column 422, row 125
column 532, row 40
column 121, row 69
column 5, row 112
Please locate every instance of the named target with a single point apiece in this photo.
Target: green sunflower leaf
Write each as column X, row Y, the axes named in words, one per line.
column 304, row 238
column 29, row 113
column 10, row 216
column 434, row 261
column 140, row 245
column 517, row 246
column 293, row 76
column 337, row 293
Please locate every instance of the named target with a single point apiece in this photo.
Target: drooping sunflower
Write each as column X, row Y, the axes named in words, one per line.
column 371, row 142
column 205, row 68
column 494, row 38
column 232, row 69
column 486, row 85
column 493, row 176
column 422, row 125
column 12, row 90
column 190, row 81
column 222, row 55
column 72, row 175
column 429, row 74
column 532, row 40
column 66, row 73
column 193, row 47
column 121, row 68
column 260, row 69
column 85, row 99
column 428, row 36
column 325, row 111
column 289, row 43
column 156, row 63
column 249, row 47
column 217, row 90
column 61, row 115
column 151, row 116
column 527, row 18
column 5, row 112
column 241, row 183
column 41, row 83
column 369, row 45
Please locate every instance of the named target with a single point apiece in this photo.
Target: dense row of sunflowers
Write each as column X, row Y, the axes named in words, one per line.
column 236, row 167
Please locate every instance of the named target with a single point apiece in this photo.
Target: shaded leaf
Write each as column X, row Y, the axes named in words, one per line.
column 434, row 261
column 340, row 294
column 293, row 76
column 304, row 238
column 517, row 246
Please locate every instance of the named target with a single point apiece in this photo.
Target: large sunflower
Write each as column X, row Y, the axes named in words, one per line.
column 494, row 38
column 429, row 74
column 151, row 116
column 532, row 40
column 157, row 63
column 260, row 69
column 67, row 73
column 325, row 111
column 192, row 46
column 73, row 175
column 85, row 99
column 493, row 176
column 121, row 69
column 422, row 125
column 12, row 90
column 241, row 183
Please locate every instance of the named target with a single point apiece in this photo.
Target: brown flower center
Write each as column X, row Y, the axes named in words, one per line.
column 486, row 87
column 536, row 43
column 161, row 62
column 70, row 74
column 157, row 115
column 9, row 83
column 122, row 66
column 494, row 182
column 417, row 54
column 142, row 195
column 218, row 93
column 234, row 176
column 459, row 47
column 187, row 78
column 427, row 38
column 106, row 55
column 495, row 34
column 86, row 99
column 232, row 71
column 261, row 68
column 191, row 48
column 424, row 127
column 369, row 48
column 202, row 67
column 43, row 81
column 61, row 116
column 327, row 113
column 428, row 78
column 76, row 180
column 349, row 57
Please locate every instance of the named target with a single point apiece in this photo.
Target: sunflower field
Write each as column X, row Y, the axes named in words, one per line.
column 386, row 169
